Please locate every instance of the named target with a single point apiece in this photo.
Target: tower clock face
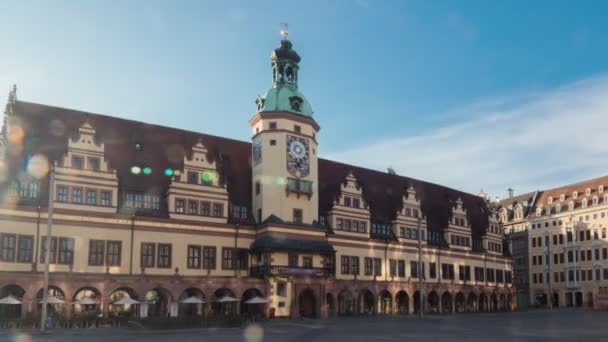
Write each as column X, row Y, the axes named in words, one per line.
column 298, row 156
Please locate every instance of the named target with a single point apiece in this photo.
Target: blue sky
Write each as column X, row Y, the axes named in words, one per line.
column 470, row 94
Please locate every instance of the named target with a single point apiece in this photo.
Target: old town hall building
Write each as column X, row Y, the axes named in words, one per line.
column 158, row 215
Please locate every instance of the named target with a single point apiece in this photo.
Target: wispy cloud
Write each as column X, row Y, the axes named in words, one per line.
column 528, row 141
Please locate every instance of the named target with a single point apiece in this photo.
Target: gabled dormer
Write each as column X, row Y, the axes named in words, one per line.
column 195, row 192
column 350, row 212
column 83, row 177
column 458, row 232
column 492, row 240
column 405, row 225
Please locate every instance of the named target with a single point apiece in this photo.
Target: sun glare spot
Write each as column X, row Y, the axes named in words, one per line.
column 38, row 166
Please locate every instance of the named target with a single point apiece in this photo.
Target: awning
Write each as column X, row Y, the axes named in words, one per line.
column 279, row 243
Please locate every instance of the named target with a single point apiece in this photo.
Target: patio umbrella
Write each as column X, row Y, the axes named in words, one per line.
column 125, row 301
column 54, row 300
column 10, row 300
column 192, row 300
column 256, row 300
column 85, row 301
column 227, row 299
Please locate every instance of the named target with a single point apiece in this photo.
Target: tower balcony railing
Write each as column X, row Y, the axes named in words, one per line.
column 299, row 186
column 292, row 271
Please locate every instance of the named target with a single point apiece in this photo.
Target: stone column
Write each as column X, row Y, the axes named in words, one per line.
column 439, row 306
column 410, row 306
column 453, row 304
column 105, row 308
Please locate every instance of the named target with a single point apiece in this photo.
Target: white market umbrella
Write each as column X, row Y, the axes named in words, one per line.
column 10, row 300
column 85, row 301
column 256, row 300
column 192, row 300
column 125, row 301
column 227, row 299
column 53, row 300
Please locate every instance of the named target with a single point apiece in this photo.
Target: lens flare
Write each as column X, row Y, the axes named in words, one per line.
column 135, row 170
column 208, row 176
column 16, row 134
column 147, row 170
column 253, row 333
column 168, row 172
column 38, row 166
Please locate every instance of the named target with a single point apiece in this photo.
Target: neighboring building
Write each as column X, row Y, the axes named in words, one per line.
column 566, row 241
column 160, row 215
column 513, row 213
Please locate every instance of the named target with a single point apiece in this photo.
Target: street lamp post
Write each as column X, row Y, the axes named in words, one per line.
column 47, row 252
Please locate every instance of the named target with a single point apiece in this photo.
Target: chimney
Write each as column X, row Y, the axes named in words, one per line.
column 510, row 192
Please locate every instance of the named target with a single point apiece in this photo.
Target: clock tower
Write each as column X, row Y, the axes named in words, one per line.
column 284, row 146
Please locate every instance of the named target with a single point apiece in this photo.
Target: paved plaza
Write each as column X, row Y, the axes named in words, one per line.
column 538, row 325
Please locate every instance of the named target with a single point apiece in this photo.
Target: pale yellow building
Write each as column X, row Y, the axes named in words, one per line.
column 161, row 215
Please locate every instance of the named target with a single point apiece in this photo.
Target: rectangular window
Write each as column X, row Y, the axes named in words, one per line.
column 414, row 269
column 297, row 216
column 209, row 257
column 234, row 258
column 273, row 125
column 347, row 225
column 479, row 274
column 292, row 260
column 297, row 128
column 356, row 203
column 345, row 264
column 52, row 251
column 164, row 255
column 113, row 253
column 401, row 268
column 93, row 163
column 66, row 251
column 432, row 270
column 205, row 208
column 96, row 252
column 76, row 195
column 339, row 224
column 307, row 263
column 500, row 276
column 192, row 177
column 392, row 267
column 368, row 267
column 604, row 253
column 354, row 264
column 62, row 193
column 77, row 162
column 347, row 202
column 218, row 209
column 105, row 198
column 148, row 254
column 194, row 256
column 490, row 275
column 8, row 247
column 180, row 205
column 377, row 267
column 25, row 250
column 597, row 254
column 91, row 197
column 193, row 207
column 258, row 188
column 362, row 227
column 461, row 272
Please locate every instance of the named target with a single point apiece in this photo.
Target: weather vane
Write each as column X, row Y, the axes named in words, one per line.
column 284, row 30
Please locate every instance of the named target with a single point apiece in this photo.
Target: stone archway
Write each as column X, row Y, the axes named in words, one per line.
column 433, row 302
column 56, row 310
column 85, row 293
column 191, row 309
column 365, row 301
column 459, row 301
column 123, row 310
column 578, row 299
column 307, row 304
column 11, row 311
column 331, row 306
column 158, row 300
column 403, row 302
column 222, row 309
column 472, row 303
column 385, row 302
column 252, row 310
column 346, row 303
column 446, row 302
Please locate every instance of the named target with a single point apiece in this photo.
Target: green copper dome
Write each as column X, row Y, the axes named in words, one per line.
column 284, row 95
column 284, row 99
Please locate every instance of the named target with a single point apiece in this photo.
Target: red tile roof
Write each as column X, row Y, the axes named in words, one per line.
column 165, row 147
column 568, row 190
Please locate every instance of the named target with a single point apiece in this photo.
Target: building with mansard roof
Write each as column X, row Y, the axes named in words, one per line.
column 160, row 215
